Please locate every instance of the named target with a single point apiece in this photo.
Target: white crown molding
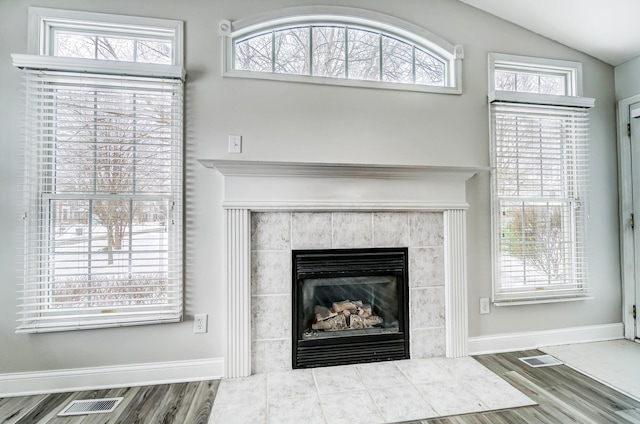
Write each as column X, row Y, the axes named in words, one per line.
column 94, row 378
column 511, row 342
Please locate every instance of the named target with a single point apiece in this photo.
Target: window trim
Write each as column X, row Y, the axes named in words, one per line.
column 573, row 100
column 571, row 70
column 43, row 22
column 451, row 54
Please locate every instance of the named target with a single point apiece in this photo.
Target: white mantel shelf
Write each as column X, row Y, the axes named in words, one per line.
column 338, row 170
column 262, row 185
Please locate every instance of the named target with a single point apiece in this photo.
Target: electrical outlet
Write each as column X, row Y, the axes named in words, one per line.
column 235, row 144
column 484, row 305
column 200, row 323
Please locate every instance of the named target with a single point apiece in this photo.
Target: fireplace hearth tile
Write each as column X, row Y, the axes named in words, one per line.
column 243, row 391
column 359, row 408
column 390, row 229
column 250, row 413
column 270, row 272
column 433, row 388
column 402, row 403
column 426, row 266
column 451, row 398
column 295, row 410
column 311, row 230
column 491, row 392
column 338, row 379
column 352, row 229
column 424, row 371
column 381, row 374
column 290, row 383
column 270, row 230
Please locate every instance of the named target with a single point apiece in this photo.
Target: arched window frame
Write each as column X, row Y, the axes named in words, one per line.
column 450, row 54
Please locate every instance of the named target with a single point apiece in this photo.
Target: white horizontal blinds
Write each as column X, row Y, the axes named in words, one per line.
column 541, row 174
column 103, row 237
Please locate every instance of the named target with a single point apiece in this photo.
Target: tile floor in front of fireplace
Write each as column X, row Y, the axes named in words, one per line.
column 382, row 392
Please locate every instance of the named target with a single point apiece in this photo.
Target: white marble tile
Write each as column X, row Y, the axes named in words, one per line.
column 337, row 379
column 390, row 229
column 496, row 393
column 381, row 374
column 424, row 371
column 253, row 413
column 357, row 408
column 451, row 398
column 426, row 307
column 247, row 390
column 290, row 383
column 311, row 230
column 271, row 317
column 426, row 229
column 352, row 229
column 295, row 410
column 426, row 267
column 401, row 403
column 270, row 230
column 271, row 355
column 463, row 368
column 270, row 272
column 427, row 343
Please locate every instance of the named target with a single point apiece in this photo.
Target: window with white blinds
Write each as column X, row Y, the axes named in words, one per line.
column 103, row 196
column 540, row 157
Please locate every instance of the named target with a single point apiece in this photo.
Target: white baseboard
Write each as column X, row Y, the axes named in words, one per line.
column 32, row 383
column 535, row 339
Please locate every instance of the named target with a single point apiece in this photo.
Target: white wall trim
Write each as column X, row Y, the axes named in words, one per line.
column 79, row 379
column 510, row 342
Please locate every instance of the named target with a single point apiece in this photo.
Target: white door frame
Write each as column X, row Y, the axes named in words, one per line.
column 625, row 190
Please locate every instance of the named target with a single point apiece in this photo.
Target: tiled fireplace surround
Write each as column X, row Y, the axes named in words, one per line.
column 275, row 234
column 274, row 207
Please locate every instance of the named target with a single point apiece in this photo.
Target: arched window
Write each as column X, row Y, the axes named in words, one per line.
column 341, row 46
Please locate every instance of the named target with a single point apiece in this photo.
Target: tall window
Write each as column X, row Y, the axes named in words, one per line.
column 341, row 46
column 103, row 210
column 540, row 156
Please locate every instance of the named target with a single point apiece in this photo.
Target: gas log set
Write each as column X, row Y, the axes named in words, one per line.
column 345, row 315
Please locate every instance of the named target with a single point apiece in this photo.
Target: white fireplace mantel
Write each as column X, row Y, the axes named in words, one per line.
column 298, row 186
column 261, row 185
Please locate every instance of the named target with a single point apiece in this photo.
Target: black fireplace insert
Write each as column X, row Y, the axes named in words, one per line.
column 350, row 306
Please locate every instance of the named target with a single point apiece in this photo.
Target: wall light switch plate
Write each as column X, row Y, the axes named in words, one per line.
column 235, row 144
column 484, row 305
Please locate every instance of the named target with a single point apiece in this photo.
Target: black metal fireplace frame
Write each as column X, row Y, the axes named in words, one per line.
column 329, row 263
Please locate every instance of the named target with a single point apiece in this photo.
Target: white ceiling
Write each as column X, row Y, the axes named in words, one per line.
column 606, row 29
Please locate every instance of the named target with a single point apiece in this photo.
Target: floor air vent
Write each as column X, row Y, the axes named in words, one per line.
column 90, row 406
column 540, row 361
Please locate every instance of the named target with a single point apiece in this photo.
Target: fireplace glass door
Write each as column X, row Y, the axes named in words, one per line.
column 350, row 306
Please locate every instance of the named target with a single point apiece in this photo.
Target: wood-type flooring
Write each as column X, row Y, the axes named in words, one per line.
column 179, row 403
column 563, row 396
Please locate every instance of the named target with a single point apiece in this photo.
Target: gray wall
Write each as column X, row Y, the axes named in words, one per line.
column 627, row 77
column 304, row 122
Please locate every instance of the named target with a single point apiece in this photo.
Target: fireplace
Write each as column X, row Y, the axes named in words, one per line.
column 349, row 306
column 252, row 187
